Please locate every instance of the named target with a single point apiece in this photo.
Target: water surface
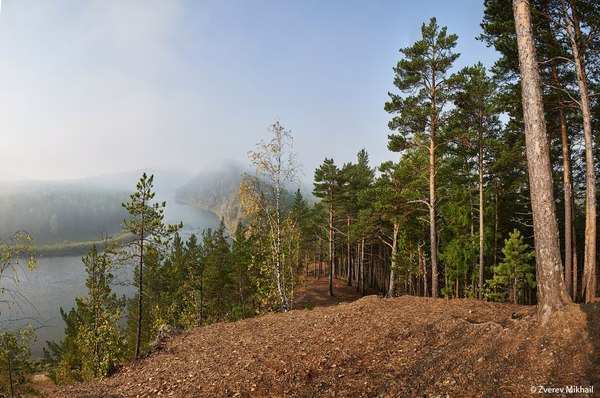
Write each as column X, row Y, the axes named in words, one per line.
column 58, row 280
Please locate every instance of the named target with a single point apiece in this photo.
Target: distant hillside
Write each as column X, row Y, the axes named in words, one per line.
column 166, row 181
column 66, row 216
column 53, row 212
column 217, row 191
column 373, row 347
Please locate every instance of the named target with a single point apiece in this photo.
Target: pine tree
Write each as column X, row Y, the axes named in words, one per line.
column 358, row 177
column 552, row 294
column 515, row 272
column 476, row 114
column 99, row 335
column 217, row 284
column 149, row 231
column 240, row 278
column 65, row 357
column 194, row 283
column 328, row 184
column 424, row 70
column 571, row 19
column 391, row 203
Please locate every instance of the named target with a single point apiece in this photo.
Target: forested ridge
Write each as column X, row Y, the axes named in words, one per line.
column 216, row 191
column 55, row 212
column 488, row 209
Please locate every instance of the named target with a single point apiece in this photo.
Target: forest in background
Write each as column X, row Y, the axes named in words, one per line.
column 60, row 212
column 452, row 217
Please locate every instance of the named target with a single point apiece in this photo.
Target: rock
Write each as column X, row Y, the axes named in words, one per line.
column 164, row 331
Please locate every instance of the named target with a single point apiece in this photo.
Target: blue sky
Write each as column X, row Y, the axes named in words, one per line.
column 101, row 86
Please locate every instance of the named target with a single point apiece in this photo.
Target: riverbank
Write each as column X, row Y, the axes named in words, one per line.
column 72, row 248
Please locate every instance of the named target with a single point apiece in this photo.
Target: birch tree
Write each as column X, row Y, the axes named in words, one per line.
column 263, row 195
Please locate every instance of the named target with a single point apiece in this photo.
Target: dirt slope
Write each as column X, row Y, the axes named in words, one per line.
column 373, row 347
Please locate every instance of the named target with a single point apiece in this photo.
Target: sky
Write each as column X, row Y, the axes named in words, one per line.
column 103, row 86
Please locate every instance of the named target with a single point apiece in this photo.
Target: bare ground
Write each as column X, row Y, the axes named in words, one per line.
column 373, row 347
column 314, row 293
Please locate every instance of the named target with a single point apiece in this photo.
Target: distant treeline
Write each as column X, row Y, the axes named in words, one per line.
column 55, row 213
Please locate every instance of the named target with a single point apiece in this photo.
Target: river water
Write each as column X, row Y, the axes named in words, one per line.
column 58, row 280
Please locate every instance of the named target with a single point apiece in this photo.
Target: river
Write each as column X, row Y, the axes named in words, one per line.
column 58, row 280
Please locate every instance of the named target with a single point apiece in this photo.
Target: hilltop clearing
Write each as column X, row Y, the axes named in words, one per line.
column 399, row 347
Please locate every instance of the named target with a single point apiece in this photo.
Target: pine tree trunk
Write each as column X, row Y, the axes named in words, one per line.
column 481, row 209
column 432, row 221
column 432, row 192
column 575, row 263
column 320, row 260
column 588, row 286
column 331, row 259
column 552, row 294
column 349, row 281
column 567, row 187
column 422, row 262
column 357, row 267
column 496, row 222
column 138, row 338
column 362, row 267
column 394, row 254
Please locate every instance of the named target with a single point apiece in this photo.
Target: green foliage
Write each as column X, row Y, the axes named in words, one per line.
column 328, row 181
column 150, row 235
column 15, row 352
column 93, row 344
column 422, row 73
column 217, row 274
column 515, row 272
column 16, row 252
column 263, row 199
column 99, row 336
column 56, row 213
column 64, row 357
column 146, row 217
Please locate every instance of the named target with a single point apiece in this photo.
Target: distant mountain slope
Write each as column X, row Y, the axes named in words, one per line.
column 374, row 347
column 217, row 191
column 166, row 180
column 58, row 214
column 54, row 212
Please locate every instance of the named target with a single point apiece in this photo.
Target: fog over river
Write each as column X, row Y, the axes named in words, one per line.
column 60, row 279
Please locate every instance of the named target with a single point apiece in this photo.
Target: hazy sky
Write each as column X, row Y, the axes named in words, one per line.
column 101, row 86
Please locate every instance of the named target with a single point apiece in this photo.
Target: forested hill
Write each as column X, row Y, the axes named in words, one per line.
column 402, row 347
column 59, row 211
column 166, row 181
column 66, row 216
column 217, row 191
